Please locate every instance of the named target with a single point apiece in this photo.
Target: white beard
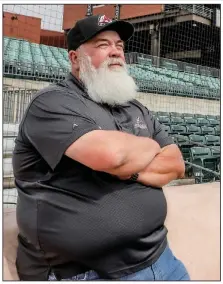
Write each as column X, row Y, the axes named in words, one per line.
column 107, row 85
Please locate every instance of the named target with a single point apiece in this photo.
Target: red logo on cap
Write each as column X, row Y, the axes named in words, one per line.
column 103, row 20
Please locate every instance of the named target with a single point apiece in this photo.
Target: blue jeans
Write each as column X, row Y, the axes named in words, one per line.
column 166, row 268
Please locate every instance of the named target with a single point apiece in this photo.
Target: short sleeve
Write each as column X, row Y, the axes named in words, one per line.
column 159, row 133
column 53, row 122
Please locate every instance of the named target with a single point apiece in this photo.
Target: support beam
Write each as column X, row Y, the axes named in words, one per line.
column 155, row 40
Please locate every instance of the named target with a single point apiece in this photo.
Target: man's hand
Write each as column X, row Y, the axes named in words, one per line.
column 165, row 167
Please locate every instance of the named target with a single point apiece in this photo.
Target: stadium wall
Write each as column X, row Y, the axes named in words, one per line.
column 154, row 102
column 20, row 26
column 52, row 38
column 73, row 13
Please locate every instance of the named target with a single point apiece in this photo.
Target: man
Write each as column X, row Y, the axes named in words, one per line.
column 89, row 163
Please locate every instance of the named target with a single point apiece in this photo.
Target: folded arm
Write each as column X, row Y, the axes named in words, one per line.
column 165, row 167
column 114, row 152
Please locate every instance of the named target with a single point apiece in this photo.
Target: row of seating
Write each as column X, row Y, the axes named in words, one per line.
column 154, row 83
column 188, row 121
column 192, row 129
column 194, row 139
column 22, row 58
column 30, row 59
column 170, row 70
column 185, row 115
column 198, row 138
column 208, row 158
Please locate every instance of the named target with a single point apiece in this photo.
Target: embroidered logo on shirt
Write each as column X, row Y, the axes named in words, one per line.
column 140, row 124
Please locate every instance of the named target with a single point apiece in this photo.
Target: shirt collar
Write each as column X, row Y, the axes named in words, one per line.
column 77, row 82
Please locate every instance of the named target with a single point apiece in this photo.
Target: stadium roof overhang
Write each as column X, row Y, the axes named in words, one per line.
column 168, row 19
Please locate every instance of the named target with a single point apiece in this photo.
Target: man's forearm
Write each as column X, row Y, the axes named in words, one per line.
column 136, row 153
column 165, row 167
column 155, row 179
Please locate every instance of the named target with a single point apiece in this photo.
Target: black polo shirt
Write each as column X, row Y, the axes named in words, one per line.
column 70, row 215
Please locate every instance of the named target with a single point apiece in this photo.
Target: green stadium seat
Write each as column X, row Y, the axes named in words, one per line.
column 207, row 130
column 166, row 128
column 197, row 139
column 181, row 140
column 163, row 113
column 164, row 120
column 187, row 115
column 178, row 129
column 144, row 61
column 202, row 121
column 177, row 120
column 209, row 116
column 213, row 122
column 199, row 115
column 175, row 114
column 190, row 120
column 202, row 156
column 212, row 140
column 193, row 129
column 217, row 130
column 216, row 153
column 218, row 117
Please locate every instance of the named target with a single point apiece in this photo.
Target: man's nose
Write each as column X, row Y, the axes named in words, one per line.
column 115, row 52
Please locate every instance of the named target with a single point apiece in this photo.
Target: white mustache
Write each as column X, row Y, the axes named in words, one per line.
column 112, row 61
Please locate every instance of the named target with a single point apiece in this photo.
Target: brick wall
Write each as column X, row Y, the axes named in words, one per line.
column 20, row 26
column 73, row 13
column 52, row 38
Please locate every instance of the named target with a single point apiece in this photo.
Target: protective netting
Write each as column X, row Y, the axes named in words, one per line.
column 174, row 56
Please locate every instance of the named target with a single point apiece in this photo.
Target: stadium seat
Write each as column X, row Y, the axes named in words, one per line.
column 198, row 115
column 202, row 156
column 181, row 140
column 164, row 120
column 215, row 152
column 184, row 144
column 197, row 139
column 202, row 121
column 193, row 129
column 187, row 115
column 163, row 113
column 175, row 114
column 177, row 120
column 178, row 129
column 213, row 122
column 207, row 130
column 217, row 130
column 209, row 116
column 212, row 140
column 166, row 128
column 190, row 120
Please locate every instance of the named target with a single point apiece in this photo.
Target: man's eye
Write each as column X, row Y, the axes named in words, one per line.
column 103, row 45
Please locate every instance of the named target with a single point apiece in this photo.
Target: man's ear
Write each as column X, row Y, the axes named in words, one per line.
column 73, row 56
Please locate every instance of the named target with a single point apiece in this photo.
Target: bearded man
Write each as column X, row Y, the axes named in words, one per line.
column 89, row 164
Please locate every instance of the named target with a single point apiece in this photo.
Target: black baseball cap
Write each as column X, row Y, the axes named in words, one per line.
column 85, row 29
